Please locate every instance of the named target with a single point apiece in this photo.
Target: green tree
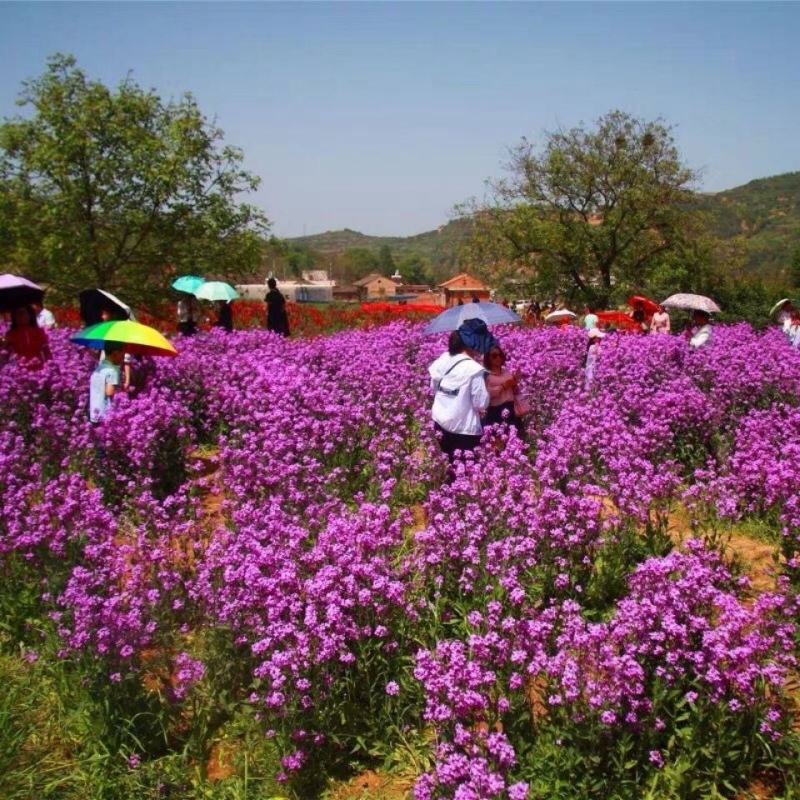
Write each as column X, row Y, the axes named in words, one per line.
column 386, row 263
column 118, row 189
column 414, row 269
column 794, row 270
column 356, row 262
column 590, row 213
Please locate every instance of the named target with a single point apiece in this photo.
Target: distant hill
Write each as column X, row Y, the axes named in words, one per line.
column 764, row 215
column 440, row 247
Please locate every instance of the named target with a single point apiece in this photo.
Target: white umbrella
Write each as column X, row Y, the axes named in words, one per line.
column 779, row 305
column 561, row 314
column 692, row 302
column 216, row 290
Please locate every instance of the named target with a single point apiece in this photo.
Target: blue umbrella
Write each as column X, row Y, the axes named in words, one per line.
column 188, row 283
column 451, row 318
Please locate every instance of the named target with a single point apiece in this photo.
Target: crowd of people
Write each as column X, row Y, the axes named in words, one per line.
column 277, row 318
column 472, row 387
column 471, row 383
column 26, row 338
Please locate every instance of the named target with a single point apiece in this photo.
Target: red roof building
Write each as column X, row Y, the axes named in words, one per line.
column 464, row 287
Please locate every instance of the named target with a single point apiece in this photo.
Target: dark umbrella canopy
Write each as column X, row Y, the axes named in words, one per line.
column 16, row 292
column 95, row 301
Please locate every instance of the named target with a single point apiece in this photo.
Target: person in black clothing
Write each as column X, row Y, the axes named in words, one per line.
column 224, row 315
column 277, row 319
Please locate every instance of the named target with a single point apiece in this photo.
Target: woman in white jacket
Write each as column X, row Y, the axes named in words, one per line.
column 460, row 397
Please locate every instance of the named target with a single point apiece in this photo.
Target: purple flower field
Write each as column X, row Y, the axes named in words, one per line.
column 265, row 524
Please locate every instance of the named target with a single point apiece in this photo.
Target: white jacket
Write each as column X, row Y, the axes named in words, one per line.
column 459, row 384
column 700, row 336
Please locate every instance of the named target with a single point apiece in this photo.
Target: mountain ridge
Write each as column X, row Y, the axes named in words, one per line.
column 763, row 214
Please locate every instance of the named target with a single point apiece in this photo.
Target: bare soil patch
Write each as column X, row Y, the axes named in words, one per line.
column 372, row 785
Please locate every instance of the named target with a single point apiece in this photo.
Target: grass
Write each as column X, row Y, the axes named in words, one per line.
column 60, row 740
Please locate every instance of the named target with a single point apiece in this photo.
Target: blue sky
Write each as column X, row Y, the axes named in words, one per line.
column 382, row 116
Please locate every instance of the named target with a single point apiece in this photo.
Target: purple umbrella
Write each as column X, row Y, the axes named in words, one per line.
column 16, row 292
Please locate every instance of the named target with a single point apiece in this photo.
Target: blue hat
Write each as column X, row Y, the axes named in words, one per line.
column 476, row 336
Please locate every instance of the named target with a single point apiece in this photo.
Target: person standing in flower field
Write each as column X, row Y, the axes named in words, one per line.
column 590, row 319
column 44, row 317
column 504, row 402
column 104, row 382
column 660, row 323
column 699, row 332
column 792, row 328
column 187, row 324
column 26, row 339
column 277, row 319
column 225, row 315
column 640, row 317
column 460, row 397
column 127, row 360
column 592, row 352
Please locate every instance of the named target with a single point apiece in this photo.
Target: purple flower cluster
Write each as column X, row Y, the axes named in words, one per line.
column 337, row 557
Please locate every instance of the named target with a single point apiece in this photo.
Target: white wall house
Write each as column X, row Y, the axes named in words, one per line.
column 313, row 287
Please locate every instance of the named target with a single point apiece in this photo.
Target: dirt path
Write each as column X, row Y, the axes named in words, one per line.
column 757, row 558
column 205, row 466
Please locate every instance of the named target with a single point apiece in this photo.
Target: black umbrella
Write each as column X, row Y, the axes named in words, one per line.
column 95, row 301
column 16, row 292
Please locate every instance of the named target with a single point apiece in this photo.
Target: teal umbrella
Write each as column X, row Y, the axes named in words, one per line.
column 216, row 290
column 188, row 283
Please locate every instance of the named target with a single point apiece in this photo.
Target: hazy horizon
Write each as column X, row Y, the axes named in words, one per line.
column 380, row 117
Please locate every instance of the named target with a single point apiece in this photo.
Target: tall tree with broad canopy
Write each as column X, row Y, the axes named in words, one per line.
column 118, row 189
column 590, row 214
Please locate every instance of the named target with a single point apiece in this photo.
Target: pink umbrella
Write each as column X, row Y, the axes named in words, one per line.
column 16, row 292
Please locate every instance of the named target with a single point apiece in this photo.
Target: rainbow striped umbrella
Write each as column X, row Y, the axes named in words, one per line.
column 133, row 336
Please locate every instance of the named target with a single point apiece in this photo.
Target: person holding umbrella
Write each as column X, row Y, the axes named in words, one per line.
column 98, row 305
column 26, row 339
column 460, row 394
column 104, row 381
column 702, row 307
column 116, row 339
column 187, row 324
column 792, row 329
column 224, row 315
column 783, row 310
column 699, row 333
column 221, row 294
column 186, row 286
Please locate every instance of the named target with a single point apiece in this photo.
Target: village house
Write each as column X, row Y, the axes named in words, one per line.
column 464, row 287
column 313, row 287
column 345, row 292
column 376, row 287
column 420, row 294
